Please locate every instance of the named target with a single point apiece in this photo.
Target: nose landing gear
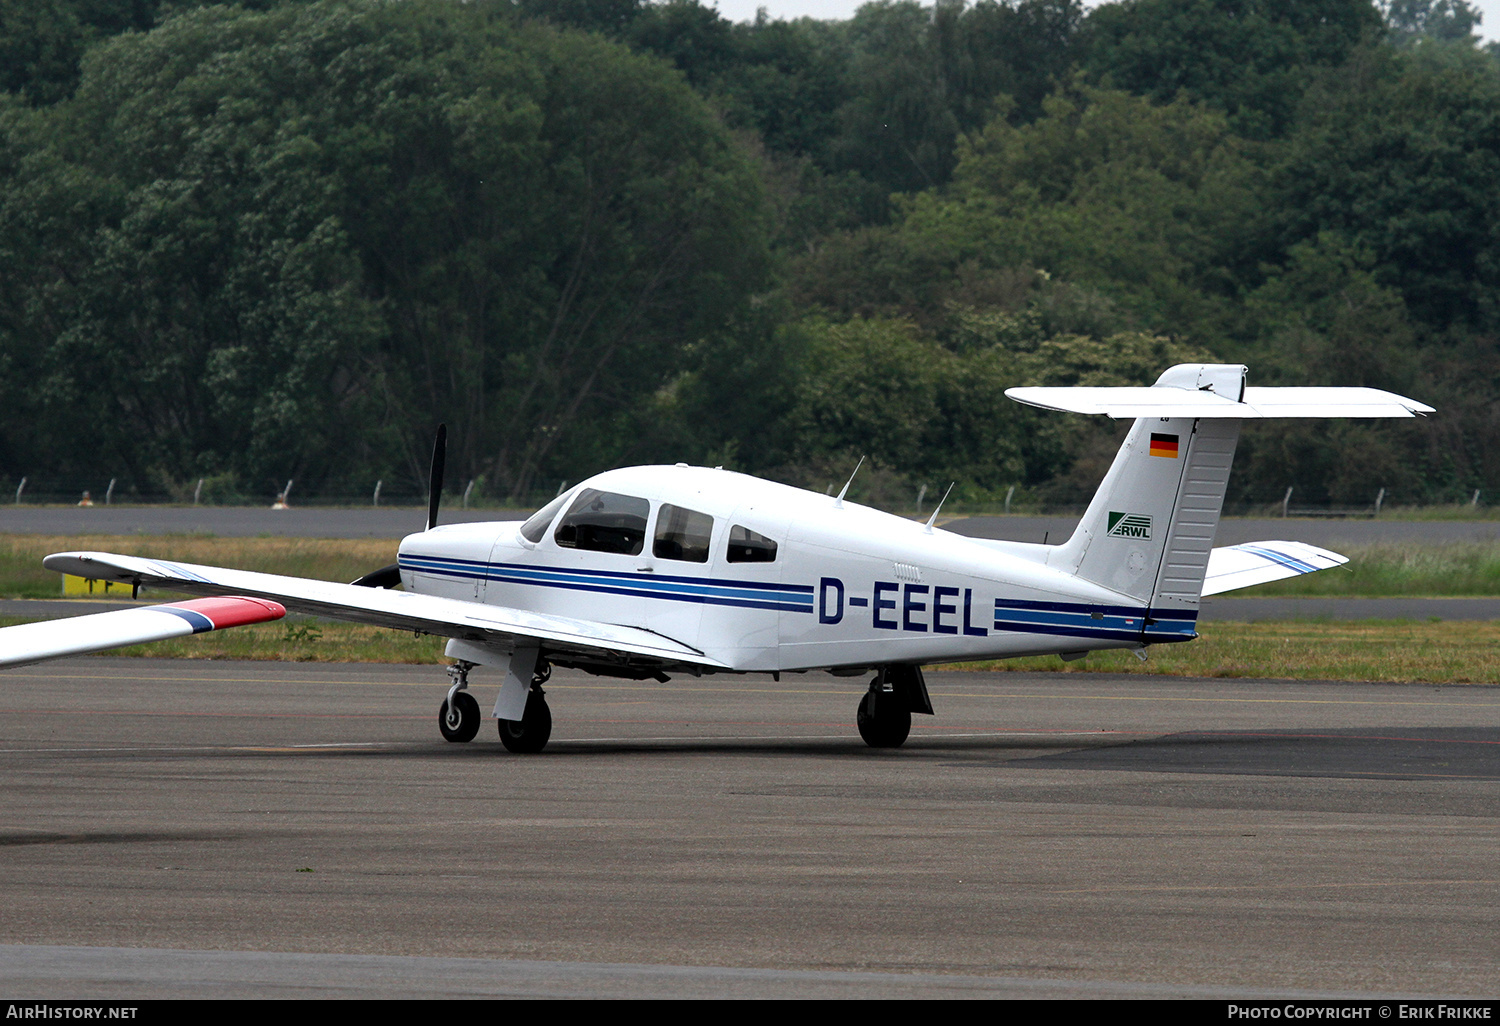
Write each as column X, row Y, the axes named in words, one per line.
column 458, row 716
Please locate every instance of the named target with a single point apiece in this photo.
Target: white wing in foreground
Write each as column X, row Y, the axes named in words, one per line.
column 1241, row 566
column 443, row 617
column 51, row 639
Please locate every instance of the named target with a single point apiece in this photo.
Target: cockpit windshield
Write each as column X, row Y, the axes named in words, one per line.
column 536, row 526
column 604, row 522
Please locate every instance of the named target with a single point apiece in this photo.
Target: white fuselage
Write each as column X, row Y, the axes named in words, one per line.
column 849, row 587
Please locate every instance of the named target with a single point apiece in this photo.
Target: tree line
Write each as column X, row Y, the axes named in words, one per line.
column 286, row 239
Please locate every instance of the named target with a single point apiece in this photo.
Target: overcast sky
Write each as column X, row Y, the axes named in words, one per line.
column 744, row 10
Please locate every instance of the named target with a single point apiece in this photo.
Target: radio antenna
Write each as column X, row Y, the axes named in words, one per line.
column 933, row 519
column 838, row 503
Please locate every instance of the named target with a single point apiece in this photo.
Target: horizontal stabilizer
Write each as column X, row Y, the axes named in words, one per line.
column 135, row 625
column 1257, row 404
column 1241, row 566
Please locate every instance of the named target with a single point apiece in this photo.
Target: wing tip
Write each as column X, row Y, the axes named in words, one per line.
column 232, row 610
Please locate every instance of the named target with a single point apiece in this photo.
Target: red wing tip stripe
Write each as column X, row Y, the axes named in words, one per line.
column 219, row 613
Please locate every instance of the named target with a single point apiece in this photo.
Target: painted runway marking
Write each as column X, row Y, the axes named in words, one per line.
column 736, row 688
column 315, row 748
column 322, row 745
column 1242, row 888
column 1299, row 735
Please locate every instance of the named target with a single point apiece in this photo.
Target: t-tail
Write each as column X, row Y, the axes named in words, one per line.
column 1149, row 531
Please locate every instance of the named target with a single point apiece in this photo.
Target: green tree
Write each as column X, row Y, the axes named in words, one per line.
column 1411, row 22
column 878, row 388
column 1396, row 154
column 920, row 76
column 1247, row 58
column 313, row 232
column 42, row 41
column 1153, row 207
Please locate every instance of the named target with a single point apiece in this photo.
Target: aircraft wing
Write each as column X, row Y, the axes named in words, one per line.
column 75, row 635
column 444, row 617
column 1241, row 566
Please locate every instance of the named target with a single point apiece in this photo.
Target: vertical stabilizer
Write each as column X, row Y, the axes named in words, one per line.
column 1151, row 525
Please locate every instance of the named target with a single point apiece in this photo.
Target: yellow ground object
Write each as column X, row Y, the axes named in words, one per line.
column 82, row 587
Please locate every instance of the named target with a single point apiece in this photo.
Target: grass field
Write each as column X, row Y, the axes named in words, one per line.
column 1453, row 570
column 1423, row 653
column 1448, row 652
column 337, row 559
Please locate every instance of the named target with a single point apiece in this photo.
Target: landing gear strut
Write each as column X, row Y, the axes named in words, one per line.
column 884, row 714
column 458, row 716
column 530, row 733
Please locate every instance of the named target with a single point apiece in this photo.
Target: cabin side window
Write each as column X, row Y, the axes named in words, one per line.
column 537, row 525
column 604, row 522
column 682, row 534
column 747, row 546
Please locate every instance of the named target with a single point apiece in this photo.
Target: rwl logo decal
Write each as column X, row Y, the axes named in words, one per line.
column 1129, row 525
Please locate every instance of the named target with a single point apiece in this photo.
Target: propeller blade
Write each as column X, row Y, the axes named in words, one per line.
column 435, row 487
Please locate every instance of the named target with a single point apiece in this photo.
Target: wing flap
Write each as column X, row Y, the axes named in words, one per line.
column 77, row 635
column 443, row 617
column 1233, row 567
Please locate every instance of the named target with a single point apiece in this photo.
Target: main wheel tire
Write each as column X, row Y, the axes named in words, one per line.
column 530, row 733
column 880, row 722
column 466, row 713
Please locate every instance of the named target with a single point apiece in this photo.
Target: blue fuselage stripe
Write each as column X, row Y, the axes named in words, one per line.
column 1115, row 623
column 1074, row 619
column 794, row 598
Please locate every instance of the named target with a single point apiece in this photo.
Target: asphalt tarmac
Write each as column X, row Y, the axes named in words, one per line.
column 392, row 522
column 397, row 522
column 180, row 828
column 1329, row 532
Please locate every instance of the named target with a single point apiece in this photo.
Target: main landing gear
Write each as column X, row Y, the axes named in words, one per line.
column 884, row 713
column 459, row 716
column 530, row 733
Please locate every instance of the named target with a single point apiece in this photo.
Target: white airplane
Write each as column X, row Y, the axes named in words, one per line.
column 649, row 571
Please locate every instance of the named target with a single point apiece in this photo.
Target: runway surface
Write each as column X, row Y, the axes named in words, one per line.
column 236, row 522
column 174, row 828
column 1330, row 532
column 397, row 522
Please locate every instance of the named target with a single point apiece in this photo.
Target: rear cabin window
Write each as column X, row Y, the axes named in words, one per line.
column 682, row 534
column 536, row 526
column 747, row 546
column 604, row 522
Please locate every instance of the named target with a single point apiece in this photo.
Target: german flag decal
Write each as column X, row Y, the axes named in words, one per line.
column 1164, row 445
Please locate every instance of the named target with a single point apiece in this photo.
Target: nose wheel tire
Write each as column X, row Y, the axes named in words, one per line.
column 529, row 733
column 882, row 722
column 461, row 722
